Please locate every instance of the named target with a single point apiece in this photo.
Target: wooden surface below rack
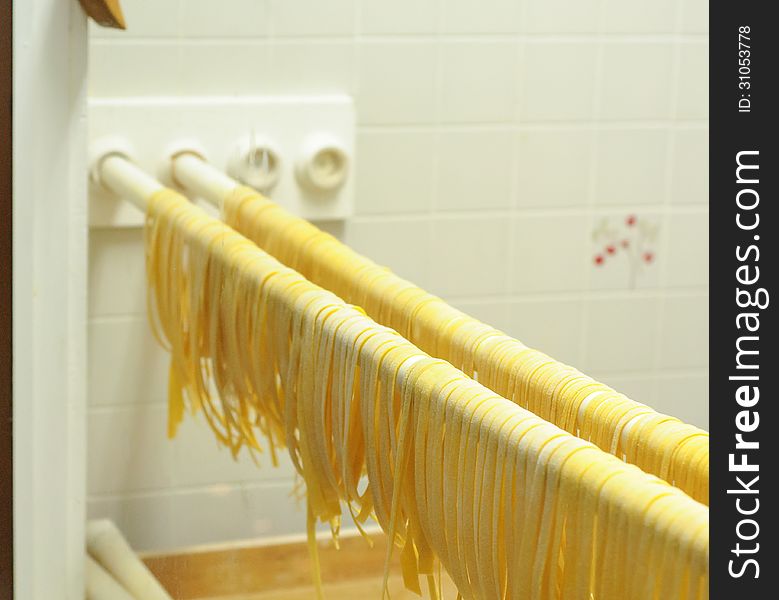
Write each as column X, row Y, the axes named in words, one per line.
column 279, row 571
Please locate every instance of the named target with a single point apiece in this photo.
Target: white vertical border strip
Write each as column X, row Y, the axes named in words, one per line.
column 49, row 298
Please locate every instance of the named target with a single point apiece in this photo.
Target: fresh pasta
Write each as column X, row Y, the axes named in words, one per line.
column 511, row 505
column 657, row 443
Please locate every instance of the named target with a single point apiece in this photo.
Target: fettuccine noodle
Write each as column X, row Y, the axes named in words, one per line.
column 511, row 505
column 657, row 443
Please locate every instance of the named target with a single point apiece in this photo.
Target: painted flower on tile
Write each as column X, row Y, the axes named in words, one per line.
column 631, row 238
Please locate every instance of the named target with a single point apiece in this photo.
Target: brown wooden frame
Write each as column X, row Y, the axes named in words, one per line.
column 6, row 448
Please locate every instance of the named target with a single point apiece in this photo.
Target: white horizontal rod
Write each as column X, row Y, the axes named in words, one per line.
column 197, row 176
column 127, row 180
column 106, row 544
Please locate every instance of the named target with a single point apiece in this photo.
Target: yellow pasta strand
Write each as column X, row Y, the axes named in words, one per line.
column 659, row 444
column 511, row 505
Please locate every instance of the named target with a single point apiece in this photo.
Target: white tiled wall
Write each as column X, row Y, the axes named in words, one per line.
column 494, row 135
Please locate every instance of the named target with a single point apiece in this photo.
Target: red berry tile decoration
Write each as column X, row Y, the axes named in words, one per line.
column 633, row 241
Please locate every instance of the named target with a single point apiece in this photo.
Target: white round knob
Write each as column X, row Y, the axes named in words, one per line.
column 165, row 169
column 323, row 164
column 102, row 148
column 255, row 162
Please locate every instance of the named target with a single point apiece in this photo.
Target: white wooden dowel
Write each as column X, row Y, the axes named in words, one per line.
column 100, row 585
column 201, row 178
column 107, row 546
column 127, row 180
